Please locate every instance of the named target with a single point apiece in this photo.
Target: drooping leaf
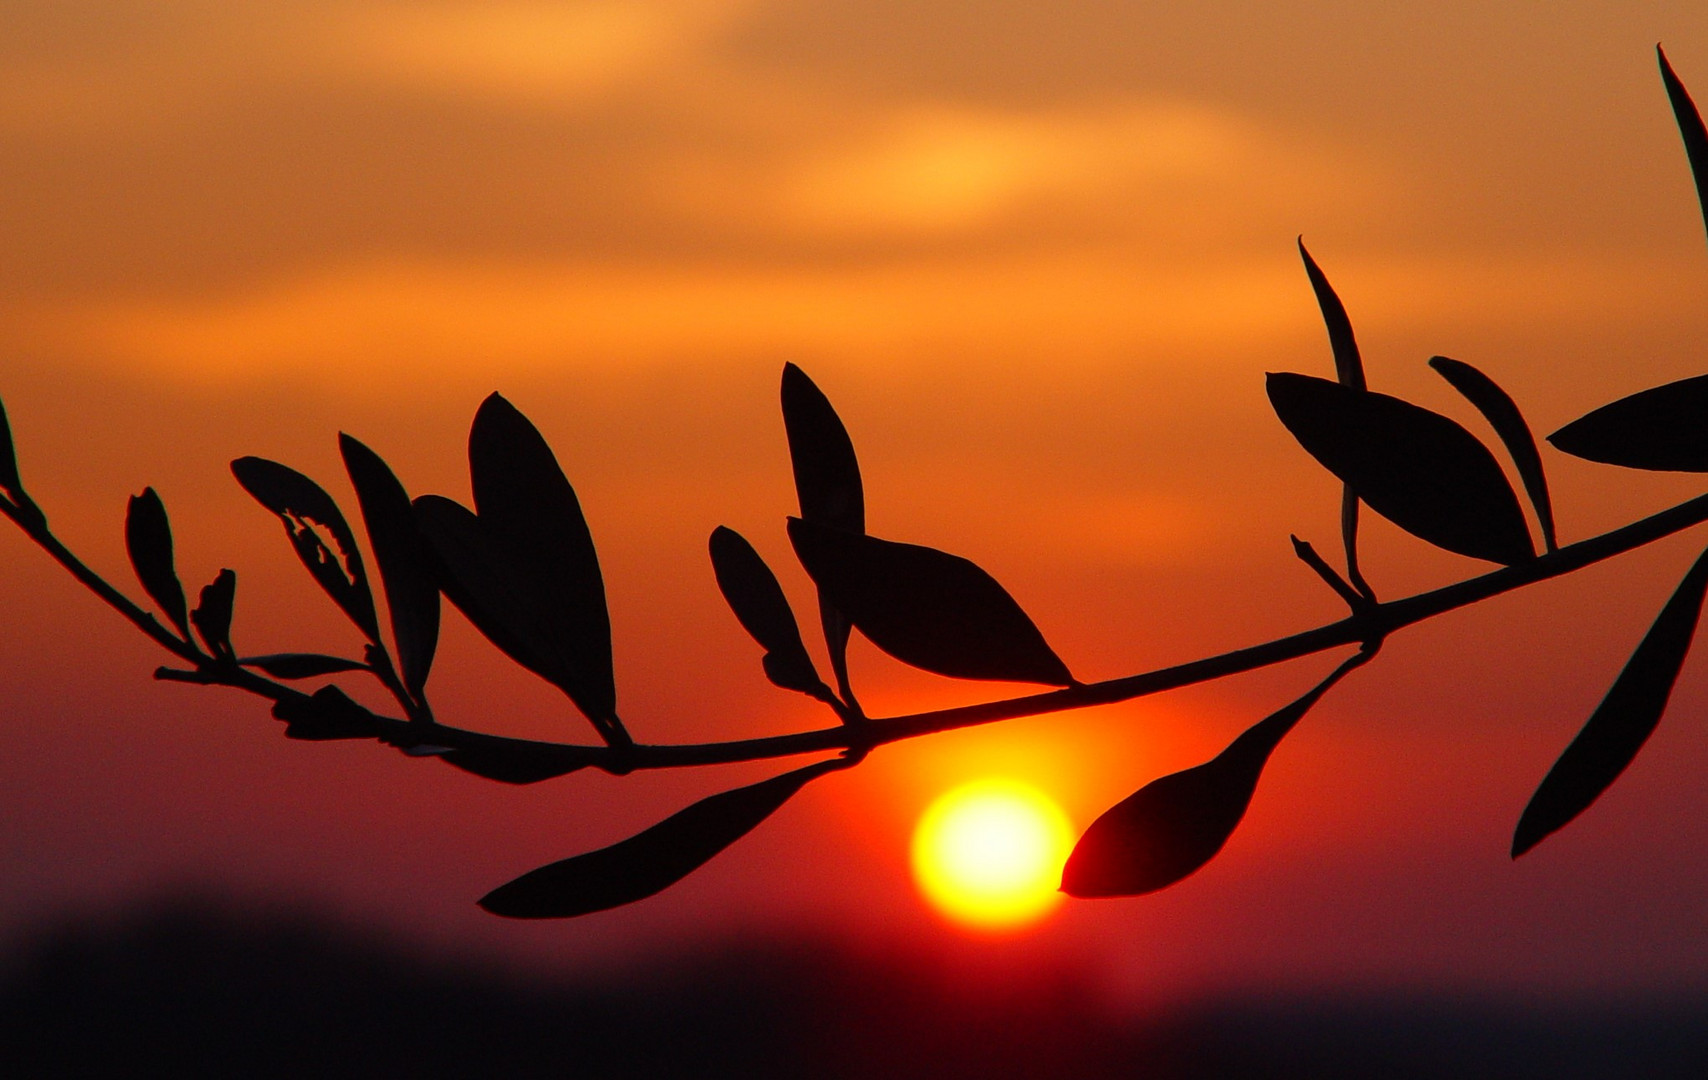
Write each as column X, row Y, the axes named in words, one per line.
column 926, row 607
column 758, row 602
column 1502, row 413
column 9, row 481
column 650, row 861
column 302, row 504
column 1623, row 721
column 515, row 761
column 531, row 521
column 1348, row 365
column 404, row 561
column 326, row 714
column 148, row 539
column 212, row 615
column 1418, row 469
column 1660, row 428
column 1174, row 825
column 1690, row 127
column 301, row 665
column 828, row 487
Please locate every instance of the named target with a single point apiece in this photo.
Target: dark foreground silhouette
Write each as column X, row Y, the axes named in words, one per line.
column 194, row 990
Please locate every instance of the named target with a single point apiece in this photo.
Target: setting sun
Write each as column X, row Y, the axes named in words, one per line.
column 989, row 854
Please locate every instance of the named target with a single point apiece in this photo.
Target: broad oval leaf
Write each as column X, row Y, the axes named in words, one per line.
column 1172, row 826
column 404, row 561
column 1623, row 721
column 759, row 604
column 9, row 481
column 532, row 521
column 1416, row 468
column 301, row 665
column 1503, row 415
column 212, row 615
column 302, row 504
column 926, row 607
column 650, row 861
column 1690, row 128
column 516, row 761
column 148, row 540
column 1664, row 428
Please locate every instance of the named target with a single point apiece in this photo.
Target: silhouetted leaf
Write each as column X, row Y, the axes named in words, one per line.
column 926, row 607
column 1502, row 413
column 1348, row 365
column 1623, row 721
column 326, row 714
column 9, row 480
column 1690, row 127
column 758, row 602
column 302, row 504
column 516, row 761
column 212, row 616
column 404, row 561
column 148, row 539
column 1177, row 823
column 293, row 665
column 827, row 485
column 531, row 522
column 1416, row 468
column 651, row 861
column 1660, row 428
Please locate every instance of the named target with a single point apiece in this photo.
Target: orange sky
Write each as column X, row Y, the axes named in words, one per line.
column 1038, row 255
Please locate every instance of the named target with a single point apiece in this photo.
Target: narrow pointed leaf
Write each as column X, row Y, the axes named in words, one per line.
column 651, row 861
column 404, row 561
column 1348, row 365
column 532, row 521
column 828, row 487
column 148, row 540
column 1660, row 428
column 327, row 714
column 759, row 604
column 212, row 615
column 301, row 665
column 1418, row 469
column 302, row 504
column 1502, row 413
column 515, row 761
column 1172, row 826
column 1623, row 721
column 1690, row 127
column 926, row 607
column 9, row 481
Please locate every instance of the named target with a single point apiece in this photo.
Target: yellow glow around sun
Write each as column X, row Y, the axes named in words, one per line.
column 989, row 854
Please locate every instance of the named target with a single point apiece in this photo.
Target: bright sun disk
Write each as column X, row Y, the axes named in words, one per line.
column 989, row 854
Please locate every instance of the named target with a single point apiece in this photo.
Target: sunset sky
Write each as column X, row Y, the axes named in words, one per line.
column 1039, row 257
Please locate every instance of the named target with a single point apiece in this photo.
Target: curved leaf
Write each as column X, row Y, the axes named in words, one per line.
column 759, row 604
column 828, row 487
column 1416, row 468
column 1174, row 825
column 9, row 481
column 1502, row 413
column 1660, row 428
column 404, row 561
column 302, row 504
column 1689, row 127
column 651, row 861
column 926, row 607
column 515, row 761
column 531, row 522
column 1348, row 365
column 212, row 616
column 301, row 665
column 1623, row 721
column 148, row 540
